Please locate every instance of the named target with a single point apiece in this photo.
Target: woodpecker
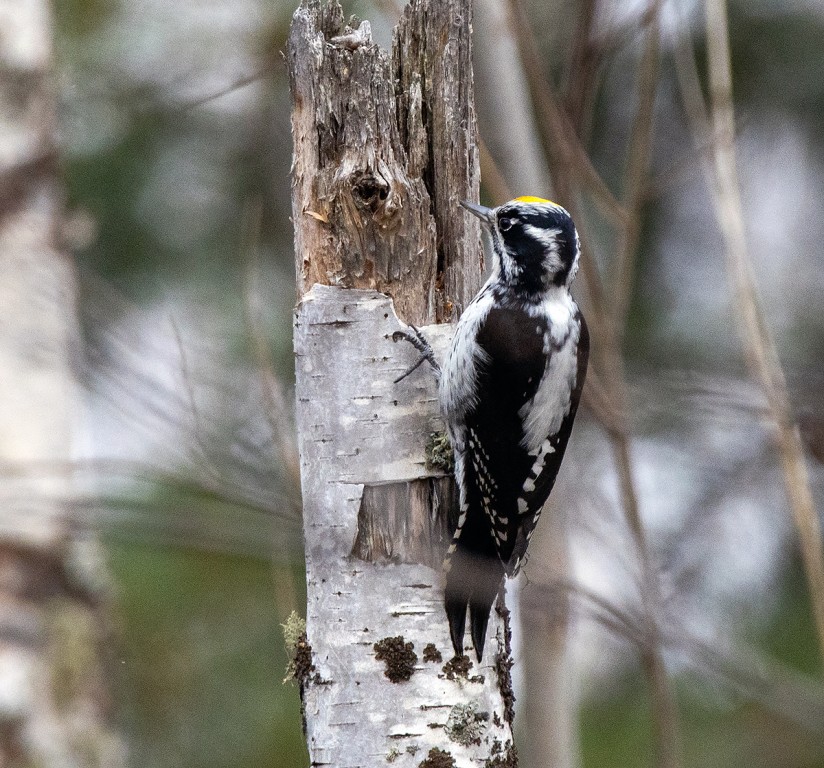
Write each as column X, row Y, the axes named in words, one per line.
column 508, row 391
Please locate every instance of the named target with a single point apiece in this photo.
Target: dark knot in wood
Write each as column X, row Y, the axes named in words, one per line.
column 370, row 191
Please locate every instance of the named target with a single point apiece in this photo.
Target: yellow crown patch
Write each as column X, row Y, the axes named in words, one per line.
column 531, row 199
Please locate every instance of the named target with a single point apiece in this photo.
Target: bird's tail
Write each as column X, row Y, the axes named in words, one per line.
column 455, row 604
column 472, row 581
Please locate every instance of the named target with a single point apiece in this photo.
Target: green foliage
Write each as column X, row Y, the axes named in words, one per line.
column 200, row 663
column 79, row 17
column 792, row 637
column 777, row 62
column 718, row 727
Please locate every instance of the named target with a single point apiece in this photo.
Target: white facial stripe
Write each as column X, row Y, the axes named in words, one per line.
column 546, row 237
column 574, row 270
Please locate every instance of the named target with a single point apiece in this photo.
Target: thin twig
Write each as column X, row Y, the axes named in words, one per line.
column 637, row 172
column 492, row 179
column 236, row 85
column 584, row 63
column 695, row 106
column 775, row 686
column 665, row 708
column 762, row 357
column 558, row 136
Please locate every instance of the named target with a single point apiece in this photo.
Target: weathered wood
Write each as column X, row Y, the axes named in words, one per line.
column 406, row 522
column 432, row 53
column 384, row 151
column 360, row 220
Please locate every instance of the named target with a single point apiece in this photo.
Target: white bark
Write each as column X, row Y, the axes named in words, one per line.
column 36, row 295
column 53, row 706
column 362, row 437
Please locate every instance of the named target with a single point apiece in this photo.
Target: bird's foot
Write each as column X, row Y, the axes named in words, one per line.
column 417, row 340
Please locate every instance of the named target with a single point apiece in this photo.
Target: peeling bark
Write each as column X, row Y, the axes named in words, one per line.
column 384, row 151
column 406, row 522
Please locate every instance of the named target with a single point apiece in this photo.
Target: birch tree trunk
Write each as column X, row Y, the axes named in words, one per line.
column 54, row 708
column 385, row 147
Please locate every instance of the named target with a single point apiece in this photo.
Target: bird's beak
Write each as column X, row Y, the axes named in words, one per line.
column 486, row 215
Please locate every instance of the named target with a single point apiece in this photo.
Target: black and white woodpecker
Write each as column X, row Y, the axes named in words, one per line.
column 509, row 390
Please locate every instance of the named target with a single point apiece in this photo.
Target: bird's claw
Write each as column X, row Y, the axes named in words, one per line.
column 417, row 340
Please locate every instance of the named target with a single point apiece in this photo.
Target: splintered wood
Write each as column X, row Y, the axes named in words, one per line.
column 385, row 148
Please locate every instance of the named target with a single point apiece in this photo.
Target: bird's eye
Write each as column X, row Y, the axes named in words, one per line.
column 505, row 224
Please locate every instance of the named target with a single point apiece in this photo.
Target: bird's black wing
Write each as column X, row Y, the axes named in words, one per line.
column 516, row 358
column 492, row 467
column 541, row 476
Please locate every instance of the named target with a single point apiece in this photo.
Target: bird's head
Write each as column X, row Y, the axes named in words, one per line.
column 534, row 240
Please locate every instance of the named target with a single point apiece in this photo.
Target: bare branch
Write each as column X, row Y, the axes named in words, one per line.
column 637, row 172
column 759, row 347
column 561, row 145
column 493, row 181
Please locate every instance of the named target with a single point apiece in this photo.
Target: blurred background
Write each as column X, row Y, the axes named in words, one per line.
column 173, row 155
